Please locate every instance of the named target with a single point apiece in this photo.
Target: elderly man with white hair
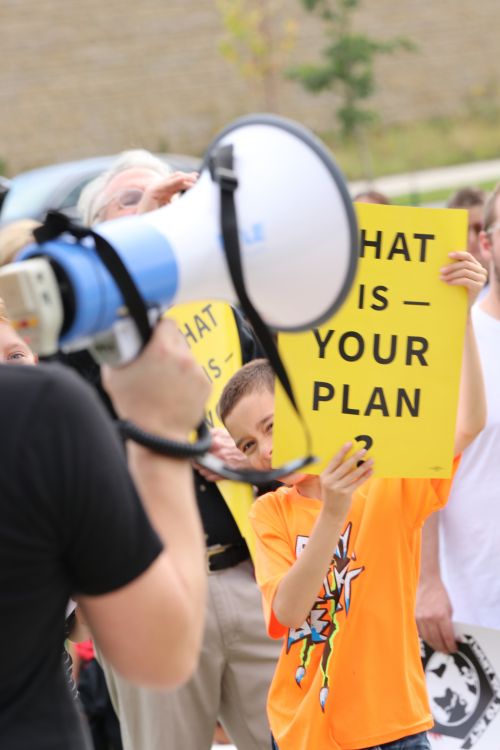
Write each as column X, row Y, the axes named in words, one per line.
column 137, row 182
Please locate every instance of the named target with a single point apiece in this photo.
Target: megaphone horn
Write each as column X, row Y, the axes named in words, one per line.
column 296, row 227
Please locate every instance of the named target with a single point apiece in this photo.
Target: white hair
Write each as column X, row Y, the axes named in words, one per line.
column 88, row 205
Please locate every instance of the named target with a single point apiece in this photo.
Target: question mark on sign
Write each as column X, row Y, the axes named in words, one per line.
column 368, row 442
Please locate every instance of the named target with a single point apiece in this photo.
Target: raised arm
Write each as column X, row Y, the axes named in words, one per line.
column 299, row 588
column 466, row 271
column 150, row 629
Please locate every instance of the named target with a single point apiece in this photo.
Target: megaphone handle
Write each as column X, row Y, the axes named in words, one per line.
column 132, row 297
column 121, row 343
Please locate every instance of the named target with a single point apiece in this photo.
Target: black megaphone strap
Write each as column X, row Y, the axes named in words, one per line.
column 222, row 171
column 56, row 223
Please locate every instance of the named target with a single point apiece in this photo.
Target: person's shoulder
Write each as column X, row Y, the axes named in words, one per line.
column 44, row 386
column 271, row 502
column 408, row 493
column 61, row 379
column 26, row 380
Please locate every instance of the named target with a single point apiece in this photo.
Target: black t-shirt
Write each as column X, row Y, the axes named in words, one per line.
column 70, row 522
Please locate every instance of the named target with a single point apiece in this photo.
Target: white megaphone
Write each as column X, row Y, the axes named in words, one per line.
column 297, row 235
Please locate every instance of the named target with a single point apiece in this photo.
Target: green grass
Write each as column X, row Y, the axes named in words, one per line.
column 420, row 145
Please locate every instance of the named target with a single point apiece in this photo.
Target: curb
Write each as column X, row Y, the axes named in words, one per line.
column 431, row 179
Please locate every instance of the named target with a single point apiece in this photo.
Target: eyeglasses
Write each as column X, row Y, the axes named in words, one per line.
column 125, row 198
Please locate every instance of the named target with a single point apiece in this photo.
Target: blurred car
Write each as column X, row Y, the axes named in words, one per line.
column 29, row 195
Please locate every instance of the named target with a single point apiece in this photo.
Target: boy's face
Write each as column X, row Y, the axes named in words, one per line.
column 13, row 350
column 250, row 424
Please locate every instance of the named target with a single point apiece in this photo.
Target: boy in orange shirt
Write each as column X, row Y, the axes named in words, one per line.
column 349, row 675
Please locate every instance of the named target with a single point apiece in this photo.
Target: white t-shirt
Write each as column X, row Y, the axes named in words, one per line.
column 470, row 523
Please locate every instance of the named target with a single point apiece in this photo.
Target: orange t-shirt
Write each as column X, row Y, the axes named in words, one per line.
column 351, row 676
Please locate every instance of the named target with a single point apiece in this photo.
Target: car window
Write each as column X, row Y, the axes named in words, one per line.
column 72, row 198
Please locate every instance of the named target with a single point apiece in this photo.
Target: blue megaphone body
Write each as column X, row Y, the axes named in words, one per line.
column 91, row 299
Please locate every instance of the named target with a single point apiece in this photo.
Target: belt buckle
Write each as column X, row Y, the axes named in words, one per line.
column 215, row 549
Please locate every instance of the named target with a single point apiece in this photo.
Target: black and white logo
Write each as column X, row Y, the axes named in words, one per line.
column 464, row 691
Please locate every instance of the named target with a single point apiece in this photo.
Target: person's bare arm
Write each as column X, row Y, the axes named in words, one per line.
column 161, row 192
column 150, row 630
column 223, row 447
column 299, row 588
column 434, row 610
column 471, row 413
column 466, row 271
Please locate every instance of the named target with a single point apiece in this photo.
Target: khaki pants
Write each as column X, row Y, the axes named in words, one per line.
column 231, row 683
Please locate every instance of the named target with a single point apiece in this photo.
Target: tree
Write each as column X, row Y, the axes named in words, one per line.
column 257, row 42
column 347, row 68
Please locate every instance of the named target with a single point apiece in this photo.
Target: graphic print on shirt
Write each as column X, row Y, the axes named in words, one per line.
column 320, row 627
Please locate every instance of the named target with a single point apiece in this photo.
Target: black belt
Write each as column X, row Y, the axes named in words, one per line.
column 222, row 556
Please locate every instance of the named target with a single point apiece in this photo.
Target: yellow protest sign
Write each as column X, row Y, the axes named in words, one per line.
column 210, row 329
column 384, row 371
